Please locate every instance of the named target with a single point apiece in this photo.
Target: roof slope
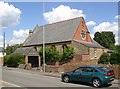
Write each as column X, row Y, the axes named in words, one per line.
column 92, row 44
column 55, row 32
column 30, row 51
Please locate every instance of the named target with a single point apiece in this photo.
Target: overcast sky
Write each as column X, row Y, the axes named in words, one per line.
column 18, row 18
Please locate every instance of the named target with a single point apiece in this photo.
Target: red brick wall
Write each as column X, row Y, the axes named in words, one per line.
column 77, row 61
column 85, row 57
column 77, row 35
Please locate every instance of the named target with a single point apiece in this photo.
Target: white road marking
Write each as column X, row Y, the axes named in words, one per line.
column 14, row 85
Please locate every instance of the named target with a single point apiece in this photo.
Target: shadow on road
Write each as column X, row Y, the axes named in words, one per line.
column 90, row 85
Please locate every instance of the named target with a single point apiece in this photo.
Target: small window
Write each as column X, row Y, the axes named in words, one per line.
column 103, row 69
column 82, row 23
column 89, row 70
column 95, row 53
column 64, row 46
column 79, row 70
column 53, row 46
column 95, row 70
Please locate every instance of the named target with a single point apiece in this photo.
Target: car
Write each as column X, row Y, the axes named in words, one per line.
column 95, row 75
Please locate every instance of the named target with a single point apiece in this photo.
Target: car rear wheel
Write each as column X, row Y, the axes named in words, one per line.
column 66, row 79
column 96, row 82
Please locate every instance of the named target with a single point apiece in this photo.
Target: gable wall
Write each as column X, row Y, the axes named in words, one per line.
column 77, row 35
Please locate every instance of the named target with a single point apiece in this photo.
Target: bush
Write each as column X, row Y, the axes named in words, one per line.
column 13, row 60
column 68, row 53
column 51, row 54
column 104, row 59
column 115, row 58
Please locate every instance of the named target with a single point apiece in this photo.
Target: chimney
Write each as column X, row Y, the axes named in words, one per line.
column 30, row 32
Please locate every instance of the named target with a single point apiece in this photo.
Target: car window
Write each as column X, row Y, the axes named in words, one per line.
column 89, row 70
column 95, row 70
column 103, row 69
column 79, row 70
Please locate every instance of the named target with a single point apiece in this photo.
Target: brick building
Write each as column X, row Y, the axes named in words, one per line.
column 72, row 32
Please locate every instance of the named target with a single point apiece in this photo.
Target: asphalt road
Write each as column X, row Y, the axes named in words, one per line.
column 12, row 78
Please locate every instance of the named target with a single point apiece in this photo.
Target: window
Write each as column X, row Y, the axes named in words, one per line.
column 53, row 46
column 89, row 70
column 79, row 70
column 82, row 23
column 95, row 70
column 83, row 34
column 95, row 53
column 103, row 69
column 64, row 46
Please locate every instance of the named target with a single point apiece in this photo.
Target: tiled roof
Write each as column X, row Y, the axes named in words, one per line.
column 30, row 51
column 92, row 44
column 53, row 33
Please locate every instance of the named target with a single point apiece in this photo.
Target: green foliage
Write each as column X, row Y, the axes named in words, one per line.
column 68, row 53
column 115, row 58
column 10, row 49
column 104, row 59
column 13, row 60
column 53, row 55
column 117, row 48
column 106, row 39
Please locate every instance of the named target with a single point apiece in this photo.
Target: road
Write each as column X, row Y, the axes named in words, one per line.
column 12, row 78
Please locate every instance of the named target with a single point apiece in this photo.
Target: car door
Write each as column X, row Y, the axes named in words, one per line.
column 87, row 74
column 76, row 75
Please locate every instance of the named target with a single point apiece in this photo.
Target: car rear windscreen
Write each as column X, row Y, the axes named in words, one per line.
column 103, row 69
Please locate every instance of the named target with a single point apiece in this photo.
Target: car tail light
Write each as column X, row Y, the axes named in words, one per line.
column 112, row 73
column 109, row 74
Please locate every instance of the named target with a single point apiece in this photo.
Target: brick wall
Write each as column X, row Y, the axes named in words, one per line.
column 71, row 64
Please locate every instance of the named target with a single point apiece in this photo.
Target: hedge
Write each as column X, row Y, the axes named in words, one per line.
column 14, row 60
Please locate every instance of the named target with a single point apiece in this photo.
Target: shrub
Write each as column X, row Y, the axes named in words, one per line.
column 51, row 54
column 115, row 58
column 68, row 53
column 13, row 60
column 104, row 59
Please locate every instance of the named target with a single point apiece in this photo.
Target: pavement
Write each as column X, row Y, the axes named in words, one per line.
column 51, row 74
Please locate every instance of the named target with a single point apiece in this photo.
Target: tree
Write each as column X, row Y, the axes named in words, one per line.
column 106, row 39
column 13, row 60
column 104, row 59
column 10, row 49
column 117, row 48
column 115, row 58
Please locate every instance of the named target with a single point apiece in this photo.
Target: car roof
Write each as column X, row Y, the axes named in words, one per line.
column 90, row 66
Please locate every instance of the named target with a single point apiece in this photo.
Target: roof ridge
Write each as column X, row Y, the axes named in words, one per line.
column 60, row 21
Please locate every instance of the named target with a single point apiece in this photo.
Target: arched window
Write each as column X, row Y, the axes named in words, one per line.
column 53, row 46
column 64, row 46
column 82, row 23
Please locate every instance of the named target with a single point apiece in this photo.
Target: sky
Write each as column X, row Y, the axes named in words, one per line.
column 20, row 17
